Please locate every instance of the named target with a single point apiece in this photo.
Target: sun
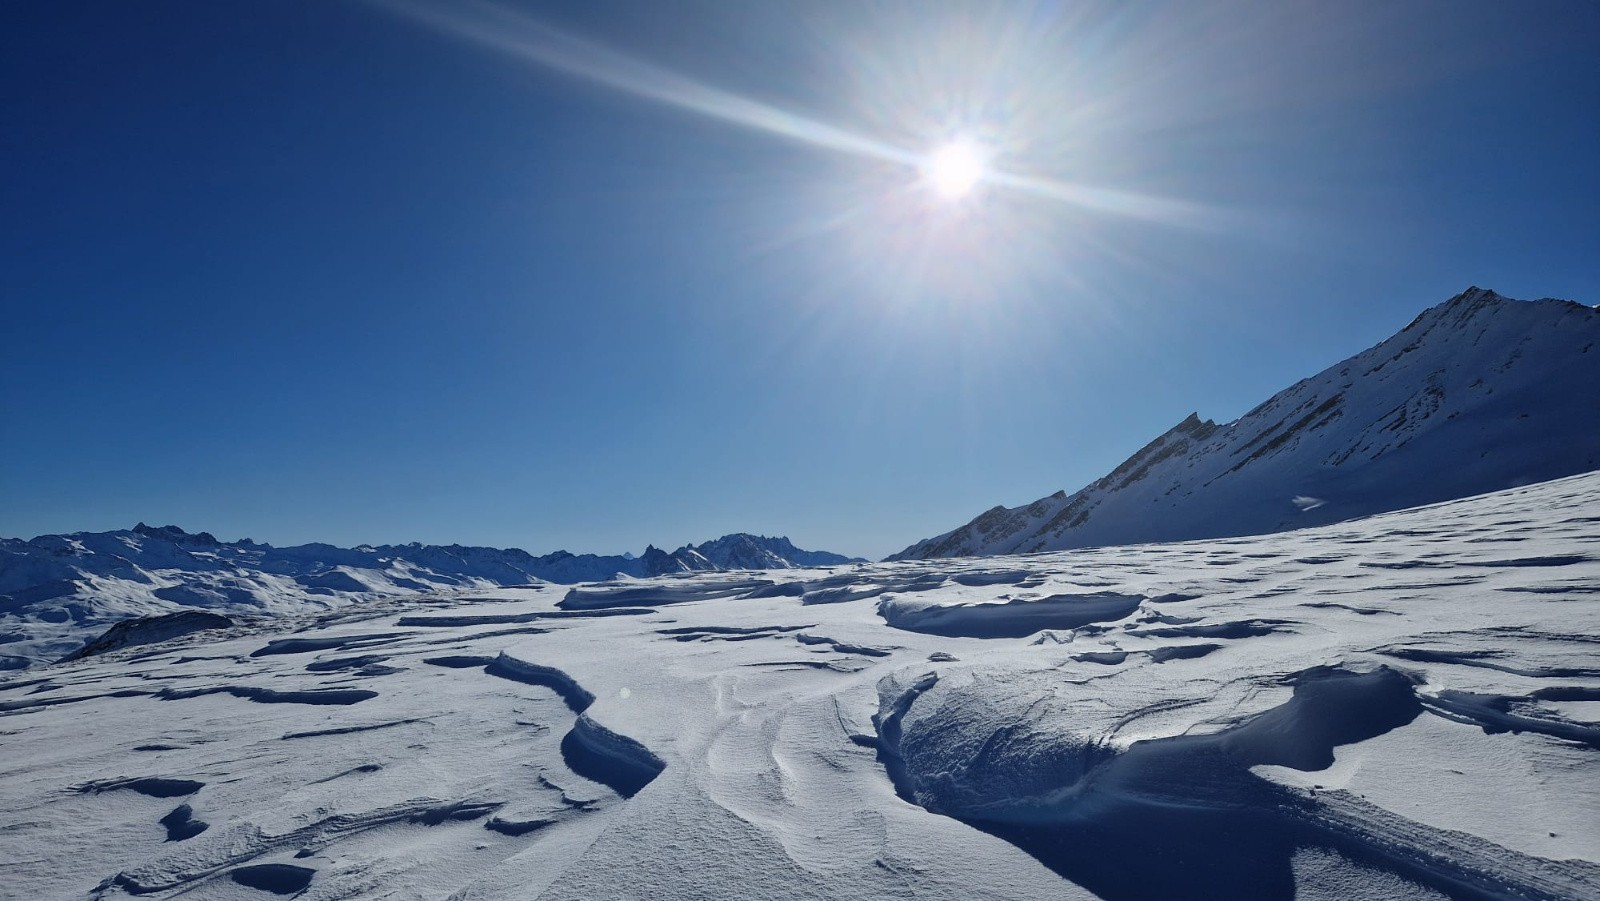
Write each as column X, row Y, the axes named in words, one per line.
column 953, row 170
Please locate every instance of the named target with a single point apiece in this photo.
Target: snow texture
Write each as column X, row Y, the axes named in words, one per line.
column 1406, row 705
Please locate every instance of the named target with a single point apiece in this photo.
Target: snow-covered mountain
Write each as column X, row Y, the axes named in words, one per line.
column 1402, row 706
column 743, row 551
column 1477, row 394
column 57, row 591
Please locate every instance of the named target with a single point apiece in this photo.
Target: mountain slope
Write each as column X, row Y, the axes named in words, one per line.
column 1477, row 394
column 56, row 591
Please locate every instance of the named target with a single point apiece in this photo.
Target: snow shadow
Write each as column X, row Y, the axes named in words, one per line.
column 181, row 824
column 338, row 697
column 277, row 878
column 336, row 642
column 1184, row 817
column 615, row 761
column 1013, row 619
column 589, row 749
column 152, row 786
column 603, row 596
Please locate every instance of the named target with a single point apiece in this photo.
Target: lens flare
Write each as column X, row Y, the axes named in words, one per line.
column 955, row 169
column 952, row 172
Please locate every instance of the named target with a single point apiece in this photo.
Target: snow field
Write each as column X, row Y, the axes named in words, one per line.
column 1396, row 706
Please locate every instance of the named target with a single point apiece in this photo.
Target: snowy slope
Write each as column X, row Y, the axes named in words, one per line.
column 58, row 591
column 1401, row 706
column 1477, row 394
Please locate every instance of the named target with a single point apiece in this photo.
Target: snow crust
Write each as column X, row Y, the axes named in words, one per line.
column 1401, row 706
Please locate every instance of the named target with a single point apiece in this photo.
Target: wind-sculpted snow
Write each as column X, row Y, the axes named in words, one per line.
column 614, row 760
column 152, row 629
column 1073, row 796
column 341, row 643
column 1010, row 618
column 1402, row 706
column 658, row 593
column 321, row 696
column 154, row 786
column 508, row 667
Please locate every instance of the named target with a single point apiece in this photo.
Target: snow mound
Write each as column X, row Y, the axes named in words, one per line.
column 611, row 595
column 982, row 751
column 151, row 630
column 1014, row 618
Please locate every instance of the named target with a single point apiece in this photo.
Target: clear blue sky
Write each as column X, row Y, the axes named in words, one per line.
column 588, row 275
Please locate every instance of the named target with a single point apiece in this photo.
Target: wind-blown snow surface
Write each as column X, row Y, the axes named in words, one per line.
column 1402, row 706
column 58, row 592
column 1477, row 394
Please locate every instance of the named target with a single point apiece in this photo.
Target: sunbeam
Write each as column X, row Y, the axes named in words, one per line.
column 533, row 41
column 953, row 170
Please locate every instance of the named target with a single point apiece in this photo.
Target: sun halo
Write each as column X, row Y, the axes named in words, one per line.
column 954, row 169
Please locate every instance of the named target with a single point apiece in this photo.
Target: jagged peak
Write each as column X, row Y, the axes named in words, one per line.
column 1339, row 431
column 776, row 541
column 1193, row 425
column 1474, row 292
column 174, row 534
column 1461, row 306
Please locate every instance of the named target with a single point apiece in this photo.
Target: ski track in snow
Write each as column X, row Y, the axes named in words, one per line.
column 1407, row 705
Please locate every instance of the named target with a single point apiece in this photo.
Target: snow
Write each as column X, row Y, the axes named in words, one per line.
column 1477, row 394
column 1010, row 617
column 1397, row 706
column 58, row 592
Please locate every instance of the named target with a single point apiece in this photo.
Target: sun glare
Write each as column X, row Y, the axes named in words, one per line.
column 954, row 169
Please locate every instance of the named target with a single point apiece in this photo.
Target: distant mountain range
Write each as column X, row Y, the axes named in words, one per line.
column 1477, row 394
column 58, row 590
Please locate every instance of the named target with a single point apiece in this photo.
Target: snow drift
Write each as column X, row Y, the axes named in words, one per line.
column 1401, row 706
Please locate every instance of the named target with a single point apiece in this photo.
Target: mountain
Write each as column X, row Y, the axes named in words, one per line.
column 1403, row 706
column 56, row 591
column 739, row 550
column 1477, row 394
column 744, row 551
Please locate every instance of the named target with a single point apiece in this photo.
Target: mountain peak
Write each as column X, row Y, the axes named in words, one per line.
column 742, row 550
column 1474, row 396
column 1474, row 292
column 174, row 535
column 60, row 587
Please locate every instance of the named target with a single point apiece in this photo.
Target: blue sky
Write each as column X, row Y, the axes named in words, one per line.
column 591, row 275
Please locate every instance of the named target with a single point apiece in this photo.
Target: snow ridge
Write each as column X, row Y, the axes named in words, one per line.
column 1477, row 394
